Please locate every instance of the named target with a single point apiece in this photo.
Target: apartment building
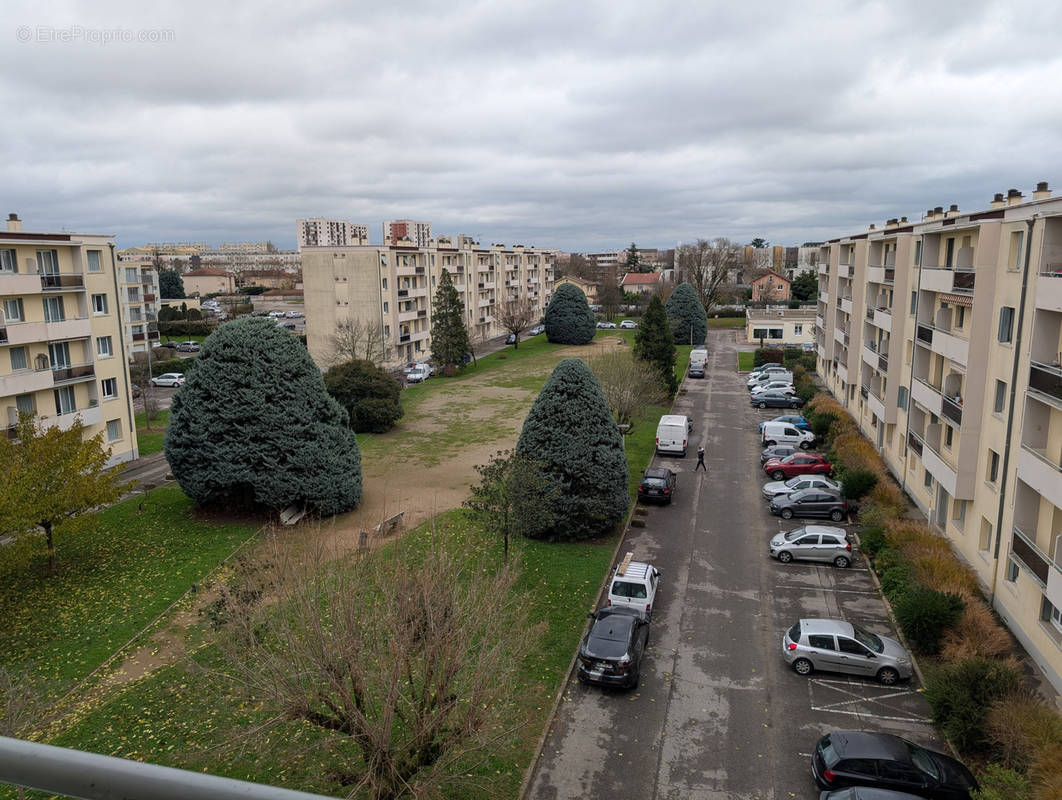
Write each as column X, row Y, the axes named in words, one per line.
column 63, row 352
column 406, row 232
column 943, row 338
column 138, row 297
column 321, row 232
column 391, row 288
column 208, row 281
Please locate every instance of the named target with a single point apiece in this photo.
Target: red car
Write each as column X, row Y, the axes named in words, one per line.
column 797, row 464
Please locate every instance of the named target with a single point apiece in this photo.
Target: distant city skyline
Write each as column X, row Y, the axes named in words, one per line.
column 576, row 126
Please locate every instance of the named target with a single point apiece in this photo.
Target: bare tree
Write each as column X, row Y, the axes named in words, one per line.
column 609, row 294
column 515, row 315
column 407, row 659
column 579, row 267
column 359, row 340
column 140, row 377
column 630, row 385
column 707, row 266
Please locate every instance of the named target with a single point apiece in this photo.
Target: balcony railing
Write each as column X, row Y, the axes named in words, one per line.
column 914, row 442
column 883, row 362
column 951, row 410
column 890, row 274
column 1032, row 557
column 64, row 281
column 964, row 281
column 404, row 337
column 1046, row 379
column 864, row 391
column 3, row 335
column 925, row 334
column 63, row 374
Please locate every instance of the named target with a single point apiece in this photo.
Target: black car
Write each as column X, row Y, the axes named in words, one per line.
column 810, row 503
column 657, row 483
column 775, row 399
column 867, row 793
column 777, row 451
column 612, row 652
column 884, row 761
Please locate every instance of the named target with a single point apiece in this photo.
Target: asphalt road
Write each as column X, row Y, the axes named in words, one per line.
column 718, row 713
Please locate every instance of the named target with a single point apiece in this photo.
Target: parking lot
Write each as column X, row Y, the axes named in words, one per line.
column 718, row 713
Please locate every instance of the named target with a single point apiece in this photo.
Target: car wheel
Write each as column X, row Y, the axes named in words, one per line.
column 787, row 513
column 770, row 443
column 762, row 404
column 836, row 515
column 841, row 561
column 805, row 445
column 803, row 667
column 887, row 676
column 778, row 475
column 634, row 681
column 785, row 556
column 794, row 404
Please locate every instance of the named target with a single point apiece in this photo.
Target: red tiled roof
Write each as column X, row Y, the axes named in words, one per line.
column 207, row 272
column 640, row 278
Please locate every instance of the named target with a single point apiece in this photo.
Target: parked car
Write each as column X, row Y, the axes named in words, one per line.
column 612, row 652
column 423, row 365
column 606, row 325
column 778, row 451
column 658, row 483
column 628, row 324
column 191, row 346
column 634, row 584
column 289, row 325
column 672, row 434
column 797, row 464
column 417, row 375
column 833, row 645
column 294, row 314
column 276, row 314
column 768, row 375
column 812, row 543
column 535, row 331
column 810, row 503
column 773, row 489
column 696, row 369
column 796, row 420
column 884, row 761
column 866, row 793
column 780, row 386
column 774, row 398
column 171, row 379
column 784, row 433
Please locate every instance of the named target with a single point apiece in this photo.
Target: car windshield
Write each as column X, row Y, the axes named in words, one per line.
column 791, row 535
column 867, row 638
column 793, row 481
column 798, row 496
column 923, row 760
column 626, row 589
column 654, row 482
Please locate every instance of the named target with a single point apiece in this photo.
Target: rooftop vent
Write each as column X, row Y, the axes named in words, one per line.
column 14, row 224
column 1013, row 197
column 1042, row 192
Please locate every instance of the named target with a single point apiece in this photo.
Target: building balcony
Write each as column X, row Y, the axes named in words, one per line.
column 842, row 371
column 32, row 332
column 945, row 279
column 944, row 343
column 1041, row 472
column 63, row 282
column 845, row 270
column 1049, row 288
column 882, row 318
column 25, row 381
column 839, row 335
column 951, row 410
column 820, row 323
column 824, row 298
column 876, row 406
column 1038, row 565
column 845, row 304
column 17, row 284
column 73, row 374
column 876, row 274
column 407, row 316
column 821, row 350
column 1045, row 383
column 149, row 298
column 484, row 302
column 927, row 396
column 944, row 473
column 870, row 356
column 914, row 444
column 88, row 417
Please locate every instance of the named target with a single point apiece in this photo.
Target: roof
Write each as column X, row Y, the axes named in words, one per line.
column 769, row 273
column 208, row 272
column 640, row 279
column 785, row 314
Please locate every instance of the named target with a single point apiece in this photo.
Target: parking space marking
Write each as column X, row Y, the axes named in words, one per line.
column 846, row 690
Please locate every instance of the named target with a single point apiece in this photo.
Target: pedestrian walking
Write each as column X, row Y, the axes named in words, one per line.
column 700, row 459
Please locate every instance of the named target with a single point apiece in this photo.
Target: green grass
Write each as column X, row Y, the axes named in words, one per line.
column 109, row 581
column 745, row 361
column 150, row 441
column 726, row 322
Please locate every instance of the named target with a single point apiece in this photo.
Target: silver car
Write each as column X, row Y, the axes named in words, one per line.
column 812, row 543
column 833, row 645
column 773, row 489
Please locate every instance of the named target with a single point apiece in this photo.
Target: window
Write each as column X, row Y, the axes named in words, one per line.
column 993, row 466
column 1054, row 615
column 821, row 642
column 99, row 304
column 1017, row 238
column 94, row 264
column 131, row 275
column 901, row 397
column 64, row 400
column 914, row 303
column 1013, row 570
column 48, row 262
column 110, row 387
column 1001, row 397
column 985, row 540
column 103, row 347
column 918, row 253
column 25, row 405
column 958, row 512
column 53, row 309
column 846, row 645
column 13, row 310
column 927, row 479
column 114, row 430
column 1006, row 323
column 798, row 330
column 960, row 316
column 949, row 252
column 8, row 261
column 18, row 359
column 386, row 306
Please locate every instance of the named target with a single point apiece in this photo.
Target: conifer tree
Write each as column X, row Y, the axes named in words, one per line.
column 689, row 322
column 569, row 319
column 449, row 336
column 655, row 343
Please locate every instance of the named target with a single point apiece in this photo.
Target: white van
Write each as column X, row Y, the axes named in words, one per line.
column 698, row 355
column 634, row 584
column 784, row 433
column 673, row 433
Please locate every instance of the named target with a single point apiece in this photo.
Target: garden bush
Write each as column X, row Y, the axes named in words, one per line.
column 977, row 634
column 887, row 558
column 895, row 581
column 368, row 393
column 961, row 694
column 568, row 317
column 1021, row 726
column 765, row 355
column 183, row 328
column 924, row 614
column 1000, row 783
column 871, row 540
column 857, row 483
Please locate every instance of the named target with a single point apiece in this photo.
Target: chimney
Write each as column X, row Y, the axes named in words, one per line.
column 1042, row 192
column 1013, row 197
column 929, row 214
column 903, row 220
column 938, row 212
column 953, row 211
column 14, row 224
column 998, row 201
column 871, row 226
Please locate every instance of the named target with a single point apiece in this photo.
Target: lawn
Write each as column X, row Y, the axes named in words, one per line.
column 150, row 441
column 745, row 361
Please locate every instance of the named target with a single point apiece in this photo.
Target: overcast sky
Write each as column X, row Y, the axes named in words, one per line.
column 578, row 125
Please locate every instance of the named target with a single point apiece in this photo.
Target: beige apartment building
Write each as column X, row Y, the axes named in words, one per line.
column 208, row 281
column 943, row 338
column 63, row 352
column 138, row 294
column 392, row 287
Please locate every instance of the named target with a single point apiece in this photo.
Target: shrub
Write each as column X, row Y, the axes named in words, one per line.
column 821, row 424
column 1045, row 774
column 999, row 783
column 887, row 558
column 806, row 391
column 654, row 343
column 1021, row 726
column 571, row 432
column 895, row 581
column 568, row 317
column 884, row 503
column 924, row 614
column 960, row 695
column 764, row 355
column 856, row 483
column 369, row 394
column 688, row 321
column 255, row 425
column 977, row 633
column 872, row 540
column 181, row 328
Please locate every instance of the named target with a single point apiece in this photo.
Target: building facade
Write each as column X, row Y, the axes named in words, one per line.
column 208, row 281
column 782, row 326
column 943, row 338
column 406, row 232
column 321, row 232
column 63, row 353
column 390, row 288
column 138, row 295
column 770, row 287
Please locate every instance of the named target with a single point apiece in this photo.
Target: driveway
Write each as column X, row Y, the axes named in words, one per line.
column 718, row 713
